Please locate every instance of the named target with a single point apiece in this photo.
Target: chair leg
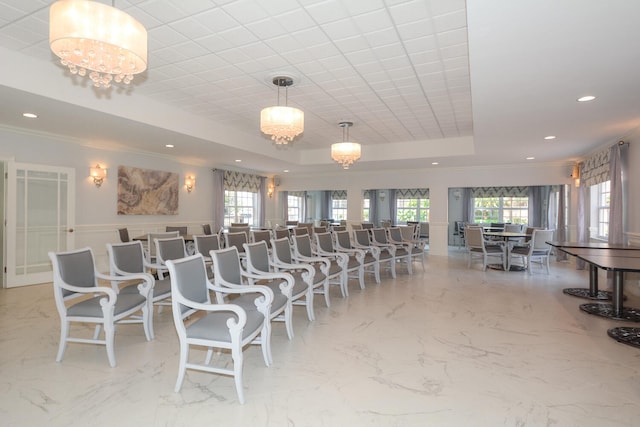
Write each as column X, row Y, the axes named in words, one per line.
column 288, row 319
column 236, row 354
column 309, row 303
column 147, row 320
column 182, row 366
column 393, row 267
column 109, row 337
column 344, row 283
column 265, row 342
column 361, row 276
column 326, row 287
column 376, row 271
column 64, row 333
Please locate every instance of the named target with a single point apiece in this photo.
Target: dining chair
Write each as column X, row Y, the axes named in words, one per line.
column 128, row 258
column 123, row 233
column 368, row 261
column 206, row 229
column 325, row 248
column 537, row 249
column 180, row 229
column 324, row 266
column 228, row 273
column 281, row 233
column 478, row 247
column 261, row 236
column 80, row 299
column 201, row 324
column 402, row 253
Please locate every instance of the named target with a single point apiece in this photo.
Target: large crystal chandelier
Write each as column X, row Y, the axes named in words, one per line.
column 283, row 123
column 345, row 152
column 92, row 36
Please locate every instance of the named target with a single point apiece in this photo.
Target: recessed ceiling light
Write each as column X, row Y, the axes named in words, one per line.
column 286, row 170
column 530, row 158
column 169, row 145
column 586, row 98
column 550, row 137
column 435, row 163
column 238, row 160
column 30, row 115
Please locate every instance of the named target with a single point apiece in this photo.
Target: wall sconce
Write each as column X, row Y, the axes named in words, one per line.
column 575, row 174
column 382, row 196
column 271, row 187
column 456, row 194
column 189, row 183
column 98, row 175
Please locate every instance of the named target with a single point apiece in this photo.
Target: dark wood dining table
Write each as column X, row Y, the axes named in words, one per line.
column 592, row 292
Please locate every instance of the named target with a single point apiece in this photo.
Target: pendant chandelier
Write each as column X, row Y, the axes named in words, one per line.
column 345, row 152
column 283, row 123
column 92, row 36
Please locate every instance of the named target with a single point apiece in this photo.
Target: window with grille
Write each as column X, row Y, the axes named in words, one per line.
column 294, row 206
column 507, row 209
column 240, row 206
column 600, row 202
column 412, row 209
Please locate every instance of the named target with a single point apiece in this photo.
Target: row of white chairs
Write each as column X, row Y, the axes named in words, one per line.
column 277, row 275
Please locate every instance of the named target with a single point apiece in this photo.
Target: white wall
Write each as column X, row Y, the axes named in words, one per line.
column 96, row 208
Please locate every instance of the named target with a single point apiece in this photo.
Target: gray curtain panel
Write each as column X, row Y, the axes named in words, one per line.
column 218, row 199
column 262, row 196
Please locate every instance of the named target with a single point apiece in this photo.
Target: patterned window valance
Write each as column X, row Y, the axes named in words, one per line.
column 339, row 195
column 595, row 169
column 500, row 192
column 412, row 193
column 296, row 193
column 238, row 181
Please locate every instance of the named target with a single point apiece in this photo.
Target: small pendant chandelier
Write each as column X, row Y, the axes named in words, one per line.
column 345, row 152
column 283, row 123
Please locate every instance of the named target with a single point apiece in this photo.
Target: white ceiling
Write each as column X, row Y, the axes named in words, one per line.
column 480, row 82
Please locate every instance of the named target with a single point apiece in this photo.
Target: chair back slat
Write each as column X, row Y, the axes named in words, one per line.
column 189, row 279
column 226, row 265
column 206, row 229
column 474, row 237
column 124, row 235
column 379, row 235
column 362, row 237
column 395, row 234
column 258, row 256
column 76, row 269
column 282, row 250
column 204, row 244
column 281, row 233
column 236, row 239
column 151, row 237
column 343, row 239
column 128, row 257
column 540, row 239
column 324, row 242
column 180, row 229
column 262, row 236
column 303, row 245
column 170, row 249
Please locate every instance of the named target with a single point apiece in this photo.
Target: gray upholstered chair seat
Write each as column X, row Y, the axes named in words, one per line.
column 213, row 326
column 353, row 262
column 91, row 307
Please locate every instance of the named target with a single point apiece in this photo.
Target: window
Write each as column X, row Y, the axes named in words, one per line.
column 412, row 209
column 294, row 204
column 338, row 209
column 366, row 210
column 240, row 206
column 600, row 202
column 508, row 209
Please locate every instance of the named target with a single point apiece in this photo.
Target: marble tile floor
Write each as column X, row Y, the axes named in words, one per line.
column 449, row 346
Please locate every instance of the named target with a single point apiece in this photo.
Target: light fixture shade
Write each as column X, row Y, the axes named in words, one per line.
column 345, row 153
column 87, row 35
column 98, row 174
column 282, row 123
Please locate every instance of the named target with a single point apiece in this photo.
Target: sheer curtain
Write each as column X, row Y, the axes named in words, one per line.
column 285, row 206
column 392, row 206
column 467, row 205
column 262, row 205
column 561, row 231
column 218, row 199
column 374, row 216
column 616, row 206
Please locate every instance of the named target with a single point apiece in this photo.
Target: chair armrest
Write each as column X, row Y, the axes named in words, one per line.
column 265, row 292
column 285, row 288
column 145, row 288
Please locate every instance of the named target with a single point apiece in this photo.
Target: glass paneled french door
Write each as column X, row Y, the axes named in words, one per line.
column 40, row 218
